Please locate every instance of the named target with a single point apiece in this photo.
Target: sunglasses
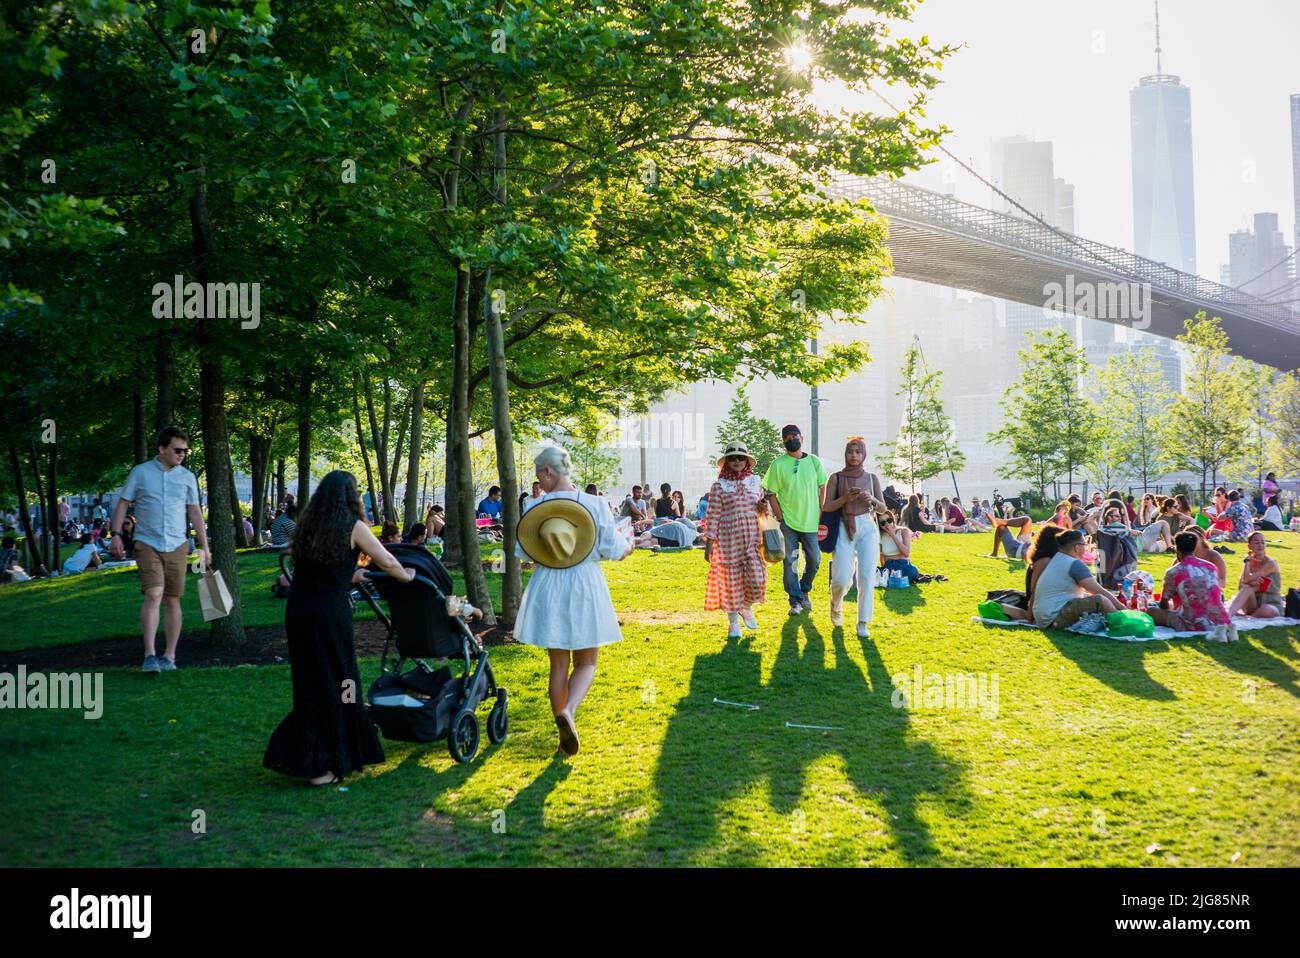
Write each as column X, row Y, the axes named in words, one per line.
column 182, row 450
column 735, row 459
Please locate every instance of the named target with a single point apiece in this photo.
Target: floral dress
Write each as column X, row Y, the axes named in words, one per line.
column 1196, row 583
column 1242, row 525
column 737, row 573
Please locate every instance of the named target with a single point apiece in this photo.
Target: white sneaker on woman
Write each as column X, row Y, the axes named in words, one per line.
column 747, row 617
column 862, row 630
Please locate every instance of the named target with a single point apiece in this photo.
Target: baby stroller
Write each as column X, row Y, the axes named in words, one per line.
column 426, row 703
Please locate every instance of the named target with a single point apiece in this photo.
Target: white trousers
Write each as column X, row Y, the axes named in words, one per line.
column 860, row 554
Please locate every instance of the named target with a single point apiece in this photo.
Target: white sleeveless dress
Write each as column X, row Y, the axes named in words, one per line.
column 572, row 608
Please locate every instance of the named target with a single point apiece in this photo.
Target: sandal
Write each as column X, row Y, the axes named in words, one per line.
column 332, row 781
column 940, row 578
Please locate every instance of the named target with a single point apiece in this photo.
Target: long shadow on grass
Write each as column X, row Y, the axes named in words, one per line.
column 714, row 754
column 1250, row 659
column 1121, row 665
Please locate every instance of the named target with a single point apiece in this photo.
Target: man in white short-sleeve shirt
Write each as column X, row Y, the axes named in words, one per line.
column 164, row 497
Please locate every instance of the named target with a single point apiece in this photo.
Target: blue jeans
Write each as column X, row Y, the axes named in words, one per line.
column 795, row 587
column 909, row 570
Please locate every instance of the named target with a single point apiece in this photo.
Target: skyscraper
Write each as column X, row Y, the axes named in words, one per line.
column 1295, row 162
column 1257, row 259
column 1164, row 208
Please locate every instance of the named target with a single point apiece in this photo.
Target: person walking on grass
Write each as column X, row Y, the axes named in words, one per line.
column 164, row 497
column 856, row 495
column 328, row 733
column 794, row 484
column 566, row 607
column 737, row 573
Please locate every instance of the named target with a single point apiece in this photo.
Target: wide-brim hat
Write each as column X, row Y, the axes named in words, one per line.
column 736, row 449
column 557, row 533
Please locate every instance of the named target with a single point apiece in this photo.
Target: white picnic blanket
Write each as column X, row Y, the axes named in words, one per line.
column 1163, row 633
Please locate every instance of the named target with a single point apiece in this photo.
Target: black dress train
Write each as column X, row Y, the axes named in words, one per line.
column 329, row 729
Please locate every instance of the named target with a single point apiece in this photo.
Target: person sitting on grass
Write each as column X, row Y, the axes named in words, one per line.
column 1195, row 582
column 435, row 521
column 957, row 521
column 1259, row 589
column 390, row 534
column 1238, row 512
column 1156, row 537
column 1061, row 517
column 1016, row 543
column 1206, row 552
column 896, row 551
column 1065, row 590
column 86, row 557
column 283, row 525
column 1272, row 521
column 1037, row 557
column 417, row 535
column 913, row 518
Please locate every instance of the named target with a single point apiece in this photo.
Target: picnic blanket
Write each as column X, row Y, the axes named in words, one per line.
column 1163, row 633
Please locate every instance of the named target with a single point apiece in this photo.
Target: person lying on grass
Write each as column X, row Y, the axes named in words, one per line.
column 1016, row 543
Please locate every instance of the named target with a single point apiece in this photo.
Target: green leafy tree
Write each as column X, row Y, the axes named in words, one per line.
column 1133, row 400
column 1205, row 426
column 761, row 437
column 925, row 445
column 1260, row 384
column 1285, row 448
column 1049, row 424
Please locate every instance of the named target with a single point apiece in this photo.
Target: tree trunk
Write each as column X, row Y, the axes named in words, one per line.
column 259, row 454
column 46, row 553
column 54, row 554
column 281, row 485
column 462, row 511
column 165, row 383
column 304, row 440
column 403, row 426
column 365, row 456
column 237, row 511
column 451, row 552
column 139, row 442
column 380, row 440
column 502, row 431
column 411, row 503
column 216, row 443
column 35, row 561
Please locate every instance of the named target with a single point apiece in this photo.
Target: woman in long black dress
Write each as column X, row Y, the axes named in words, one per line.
column 329, row 733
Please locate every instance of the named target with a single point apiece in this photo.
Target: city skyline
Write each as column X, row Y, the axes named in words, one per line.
column 1063, row 74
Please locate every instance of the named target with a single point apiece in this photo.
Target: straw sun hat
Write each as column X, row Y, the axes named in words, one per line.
column 557, row 533
column 736, row 449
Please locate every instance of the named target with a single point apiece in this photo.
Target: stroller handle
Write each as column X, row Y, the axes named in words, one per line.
column 423, row 580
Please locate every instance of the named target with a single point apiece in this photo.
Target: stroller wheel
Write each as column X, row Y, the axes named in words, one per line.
column 462, row 738
column 498, row 722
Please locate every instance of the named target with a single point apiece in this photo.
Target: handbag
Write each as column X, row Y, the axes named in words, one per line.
column 1292, row 610
column 772, row 539
column 828, row 526
column 214, row 597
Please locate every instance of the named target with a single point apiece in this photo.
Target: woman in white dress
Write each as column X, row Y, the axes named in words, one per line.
column 566, row 608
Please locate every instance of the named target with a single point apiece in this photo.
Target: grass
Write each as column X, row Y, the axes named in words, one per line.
column 106, row 605
column 1100, row 752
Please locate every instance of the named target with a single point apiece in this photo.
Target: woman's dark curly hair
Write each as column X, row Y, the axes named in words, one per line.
column 324, row 532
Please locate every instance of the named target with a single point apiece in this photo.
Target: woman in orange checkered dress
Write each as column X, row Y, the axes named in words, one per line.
column 737, row 573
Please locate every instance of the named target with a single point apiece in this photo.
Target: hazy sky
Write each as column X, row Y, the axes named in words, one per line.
column 1061, row 70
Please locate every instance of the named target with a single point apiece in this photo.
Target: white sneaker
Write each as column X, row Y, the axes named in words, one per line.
column 1232, row 632
column 747, row 616
column 862, row 630
column 837, row 616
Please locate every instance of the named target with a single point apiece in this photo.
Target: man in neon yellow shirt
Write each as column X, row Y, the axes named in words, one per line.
column 794, row 485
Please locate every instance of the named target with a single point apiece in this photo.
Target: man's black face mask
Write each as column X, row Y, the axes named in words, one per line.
column 793, row 444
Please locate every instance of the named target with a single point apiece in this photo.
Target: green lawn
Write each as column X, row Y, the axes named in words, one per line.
column 106, row 605
column 1099, row 750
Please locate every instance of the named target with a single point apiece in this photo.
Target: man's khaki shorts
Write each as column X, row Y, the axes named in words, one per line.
column 1076, row 609
column 162, row 569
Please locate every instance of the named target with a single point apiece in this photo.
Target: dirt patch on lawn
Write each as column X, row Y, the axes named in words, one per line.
column 263, row 646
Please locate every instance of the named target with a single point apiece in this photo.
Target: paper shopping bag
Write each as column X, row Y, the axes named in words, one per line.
column 214, row 597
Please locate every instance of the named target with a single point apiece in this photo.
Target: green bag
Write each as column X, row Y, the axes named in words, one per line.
column 1203, row 521
column 1130, row 622
column 993, row 610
